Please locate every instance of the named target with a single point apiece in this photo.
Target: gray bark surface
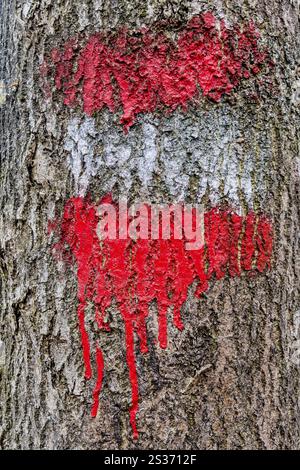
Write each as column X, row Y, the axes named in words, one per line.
column 231, row 379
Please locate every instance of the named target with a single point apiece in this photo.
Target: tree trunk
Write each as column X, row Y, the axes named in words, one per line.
column 230, row 378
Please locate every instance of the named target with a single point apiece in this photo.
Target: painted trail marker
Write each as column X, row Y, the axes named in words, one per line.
column 137, row 272
column 147, row 71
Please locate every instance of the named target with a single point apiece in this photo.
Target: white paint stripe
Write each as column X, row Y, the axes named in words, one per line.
column 146, row 164
column 177, row 151
column 80, row 143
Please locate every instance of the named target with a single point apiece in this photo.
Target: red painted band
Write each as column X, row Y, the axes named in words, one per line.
column 143, row 71
column 136, row 272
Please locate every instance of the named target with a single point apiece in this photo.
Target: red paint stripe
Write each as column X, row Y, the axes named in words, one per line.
column 98, row 386
column 134, row 273
column 84, row 341
column 161, row 275
column 143, row 71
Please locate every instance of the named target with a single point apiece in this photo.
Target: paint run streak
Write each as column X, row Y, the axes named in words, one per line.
column 145, row 70
column 137, row 272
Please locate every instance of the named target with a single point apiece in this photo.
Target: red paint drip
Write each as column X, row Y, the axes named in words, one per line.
column 98, row 386
column 142, row 71
column 137, row 272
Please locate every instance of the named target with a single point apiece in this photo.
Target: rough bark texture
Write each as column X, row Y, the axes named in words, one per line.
column 231, row 378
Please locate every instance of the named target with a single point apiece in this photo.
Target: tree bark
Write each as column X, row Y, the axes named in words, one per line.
column 230, row 379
